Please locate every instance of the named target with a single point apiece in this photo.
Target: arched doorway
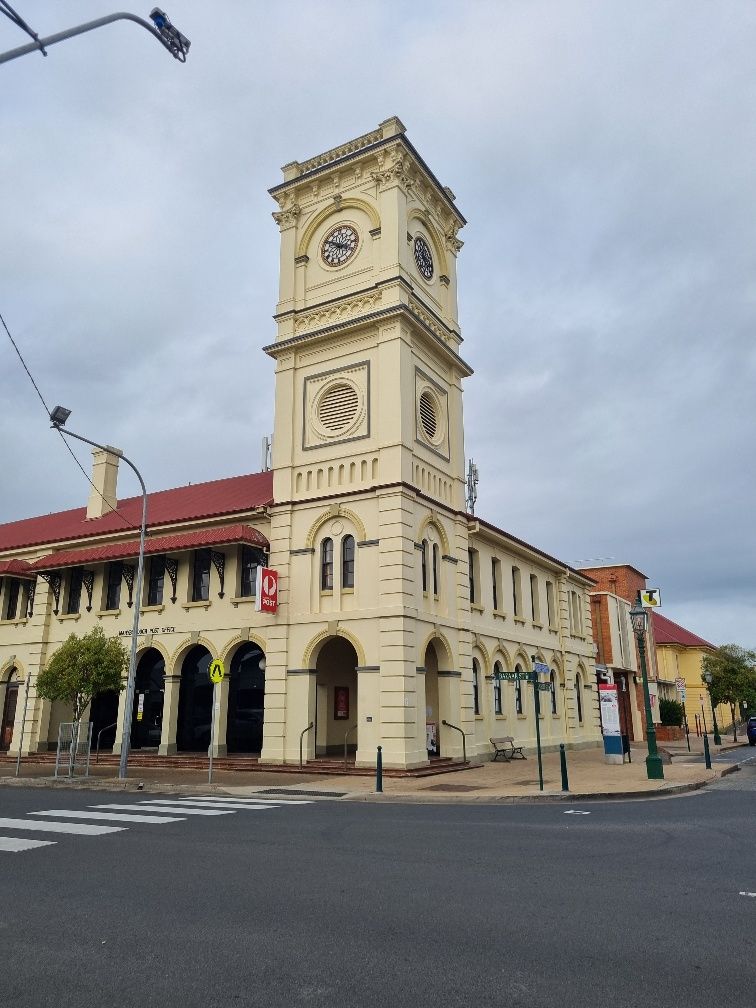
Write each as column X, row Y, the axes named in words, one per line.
column 149, row 690
column 195, row 702
column 246, row 700
column 336, row 698
column 103, row 714
column 10, row 702
column 432, row 707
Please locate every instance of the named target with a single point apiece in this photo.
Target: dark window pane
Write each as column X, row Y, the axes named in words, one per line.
column 11, row 605
column 157, row 581
column 424, row 564
column 248, row 582
column 201, row 576
column 113, row 594
column 471, row 572
column 74, row 590
column 326, row 565
column 435, row 569
column 347, row 562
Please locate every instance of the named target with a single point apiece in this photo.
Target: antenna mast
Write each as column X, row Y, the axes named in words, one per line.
column 472, row 486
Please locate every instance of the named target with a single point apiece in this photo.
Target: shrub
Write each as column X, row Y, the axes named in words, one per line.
column 671, row 712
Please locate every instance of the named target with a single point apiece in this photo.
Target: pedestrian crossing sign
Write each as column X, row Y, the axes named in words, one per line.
column 217, row 671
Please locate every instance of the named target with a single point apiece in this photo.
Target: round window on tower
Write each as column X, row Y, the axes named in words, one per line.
column 337, row 407
column 429, row 413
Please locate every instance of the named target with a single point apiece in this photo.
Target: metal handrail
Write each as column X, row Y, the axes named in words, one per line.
column 301, row 740
column 99, row 733
column 464, row 747
column 347, row 733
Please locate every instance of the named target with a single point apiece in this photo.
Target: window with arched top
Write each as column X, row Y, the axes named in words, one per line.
column 579, row 696
column 347, row 561
column 435, row 569
column 476, row 686
column 552, row 691
column 497, row 688
column 424, row 564
column 326, row 565
column 518, row 690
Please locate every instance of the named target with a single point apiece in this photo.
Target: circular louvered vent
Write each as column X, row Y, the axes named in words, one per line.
column 428, row 415
column 338, row 407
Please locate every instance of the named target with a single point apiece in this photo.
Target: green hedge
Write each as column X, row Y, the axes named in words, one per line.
column 671, row 712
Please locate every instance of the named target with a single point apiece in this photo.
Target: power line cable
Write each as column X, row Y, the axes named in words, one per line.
column 5, row 8
column 62, row 437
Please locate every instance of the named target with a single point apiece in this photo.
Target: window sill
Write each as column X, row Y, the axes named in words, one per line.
column 108, row 612
column 537, row 626
column 327, row 592
column 347, row 591
column 476, row 608
column 69, row 615
column 152, row 608
column 500, row 717
column 519, row 619
column 202, row 603
column 499, row 613
column 16, row 621
column 553, row 629
column 523, row 717
column 242, row 599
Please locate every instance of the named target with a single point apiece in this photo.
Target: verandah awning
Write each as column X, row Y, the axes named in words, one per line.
column 228, row 535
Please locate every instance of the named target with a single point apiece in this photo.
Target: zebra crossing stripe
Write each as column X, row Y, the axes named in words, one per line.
column 114, row 816
column 11, row 843
column 175, row 811
column 83, row 829
column 232, row 806
column 264, row 800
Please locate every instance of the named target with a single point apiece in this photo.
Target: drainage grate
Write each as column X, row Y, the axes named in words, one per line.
column 307, row 794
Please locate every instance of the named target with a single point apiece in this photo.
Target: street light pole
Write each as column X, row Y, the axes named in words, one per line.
column 58, row 417
column 168, row 36
column 639, row 619
column 717, row 737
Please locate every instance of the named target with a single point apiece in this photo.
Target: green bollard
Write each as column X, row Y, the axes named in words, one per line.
column 707, row 754
column 563, row 767
column 379, row 770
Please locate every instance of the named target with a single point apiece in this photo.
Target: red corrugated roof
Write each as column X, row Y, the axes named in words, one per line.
column 15, row 568
column 160, row 544
column 667, row 632
column 197, row 501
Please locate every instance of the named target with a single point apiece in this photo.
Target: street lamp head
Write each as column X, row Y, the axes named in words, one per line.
column 639, row 617
column 177, row 43
column 59, row 415
column 707, row 676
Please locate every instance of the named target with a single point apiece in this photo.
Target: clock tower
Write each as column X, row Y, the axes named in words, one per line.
column 368, row 432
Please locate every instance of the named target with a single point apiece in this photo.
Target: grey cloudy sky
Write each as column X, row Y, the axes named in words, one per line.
column 604, row 154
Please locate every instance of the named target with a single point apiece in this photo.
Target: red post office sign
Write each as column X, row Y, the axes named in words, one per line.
column 267, row 590
column 340, row 703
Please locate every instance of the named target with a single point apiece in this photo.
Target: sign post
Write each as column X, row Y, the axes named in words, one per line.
column 216, row 673
column 610, row 723
column 538, row 669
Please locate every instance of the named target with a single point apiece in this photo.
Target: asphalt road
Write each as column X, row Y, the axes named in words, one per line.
column 359, row 904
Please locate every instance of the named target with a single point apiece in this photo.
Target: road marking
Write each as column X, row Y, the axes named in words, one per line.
column 573, row 811
column 85, row 829
column 747, row 894
column 9, row 843
column 161, row 808
column 233, row 806
column 116, row 816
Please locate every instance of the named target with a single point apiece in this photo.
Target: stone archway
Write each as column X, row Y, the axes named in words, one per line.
column 8, row 706
column 335, row 697
column 149, row 692
column 195, row 705
column 442, row 701
column 246, row 700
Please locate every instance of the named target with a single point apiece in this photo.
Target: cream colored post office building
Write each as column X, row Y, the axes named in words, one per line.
column 396, row 606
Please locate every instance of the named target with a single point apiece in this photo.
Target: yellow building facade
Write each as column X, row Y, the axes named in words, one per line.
column 397, row 608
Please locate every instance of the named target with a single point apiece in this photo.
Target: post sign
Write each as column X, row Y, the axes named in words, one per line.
column 681, row 687
column 267, row 590
column 140, row 707
column 651, row 598
column 341, row 703
column 217, row 671
column 610, row 722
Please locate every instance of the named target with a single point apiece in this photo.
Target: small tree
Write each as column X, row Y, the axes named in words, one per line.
column 81, row 668
column 670, row 712
column 733, row 675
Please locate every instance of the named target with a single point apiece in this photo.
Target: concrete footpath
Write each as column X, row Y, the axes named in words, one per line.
column 590, row 777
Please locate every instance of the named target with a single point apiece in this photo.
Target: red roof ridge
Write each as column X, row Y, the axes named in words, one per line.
column 666, row 631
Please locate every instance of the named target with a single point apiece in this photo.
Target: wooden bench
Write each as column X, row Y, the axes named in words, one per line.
column 506, row 748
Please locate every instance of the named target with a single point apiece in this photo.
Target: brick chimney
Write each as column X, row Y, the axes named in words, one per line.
column 103, row 499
